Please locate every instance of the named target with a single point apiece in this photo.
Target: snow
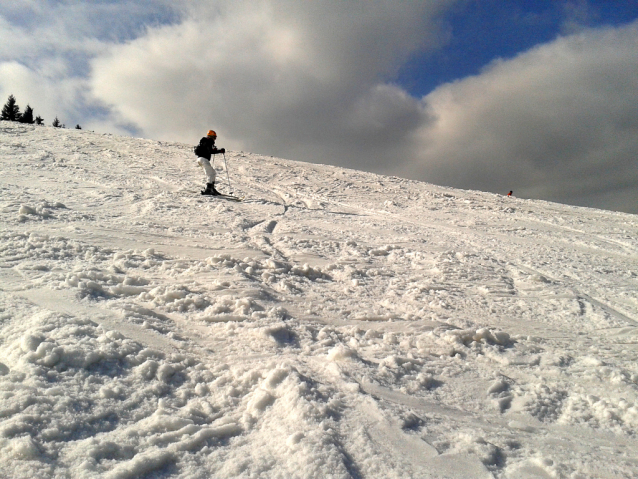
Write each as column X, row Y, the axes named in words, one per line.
column 335, row 323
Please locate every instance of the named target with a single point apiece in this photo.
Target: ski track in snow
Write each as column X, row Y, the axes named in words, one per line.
column 335, row 323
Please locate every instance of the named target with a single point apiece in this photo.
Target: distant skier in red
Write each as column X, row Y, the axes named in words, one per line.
column 510, row 193
column 204, row 150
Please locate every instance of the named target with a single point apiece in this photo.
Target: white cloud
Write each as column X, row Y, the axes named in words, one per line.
column 47, row 45
column 558, row 122
column 47, row 98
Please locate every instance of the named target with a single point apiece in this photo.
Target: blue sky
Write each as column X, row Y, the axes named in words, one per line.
column 481, row 31
column 539, row 97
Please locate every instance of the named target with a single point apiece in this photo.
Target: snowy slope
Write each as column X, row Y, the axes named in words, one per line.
column 335, row 323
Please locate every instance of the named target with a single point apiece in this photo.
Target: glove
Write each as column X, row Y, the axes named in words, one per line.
column 223, row 150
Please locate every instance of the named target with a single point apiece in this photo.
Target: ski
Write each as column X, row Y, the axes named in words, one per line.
column 231, row 197
column 226, row 197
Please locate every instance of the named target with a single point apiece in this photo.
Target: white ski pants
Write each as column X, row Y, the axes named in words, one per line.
column 208, row 169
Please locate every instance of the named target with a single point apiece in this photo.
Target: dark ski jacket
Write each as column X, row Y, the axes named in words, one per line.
column 207, row 147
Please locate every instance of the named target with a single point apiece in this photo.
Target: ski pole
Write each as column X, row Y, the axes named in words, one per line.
column 227, row 176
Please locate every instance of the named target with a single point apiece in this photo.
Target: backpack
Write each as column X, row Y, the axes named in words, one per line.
column 201, row 149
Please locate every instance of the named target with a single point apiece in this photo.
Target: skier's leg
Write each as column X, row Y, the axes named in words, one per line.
column 208, row 169
column 210, row 176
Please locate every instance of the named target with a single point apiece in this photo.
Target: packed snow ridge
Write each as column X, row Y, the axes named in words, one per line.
column 335, row 323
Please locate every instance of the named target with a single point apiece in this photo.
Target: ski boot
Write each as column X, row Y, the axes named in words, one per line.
column 210, row 190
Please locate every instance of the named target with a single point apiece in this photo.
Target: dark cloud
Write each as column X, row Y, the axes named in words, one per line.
column 304, row 80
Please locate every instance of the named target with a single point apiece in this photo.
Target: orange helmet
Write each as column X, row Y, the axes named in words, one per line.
column 212, row 133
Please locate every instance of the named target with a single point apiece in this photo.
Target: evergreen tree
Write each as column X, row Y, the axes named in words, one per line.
column 27, row 116
column 78, row 127
column 56, row 123
column 39, row 120
column 10, row 110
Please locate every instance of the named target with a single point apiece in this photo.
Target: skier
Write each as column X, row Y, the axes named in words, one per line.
column 204, row 150
column 510, row 193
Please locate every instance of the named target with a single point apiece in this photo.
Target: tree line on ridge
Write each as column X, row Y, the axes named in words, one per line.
column 11, row 112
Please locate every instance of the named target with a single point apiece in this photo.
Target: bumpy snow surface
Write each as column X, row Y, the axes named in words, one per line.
column 335, row 323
